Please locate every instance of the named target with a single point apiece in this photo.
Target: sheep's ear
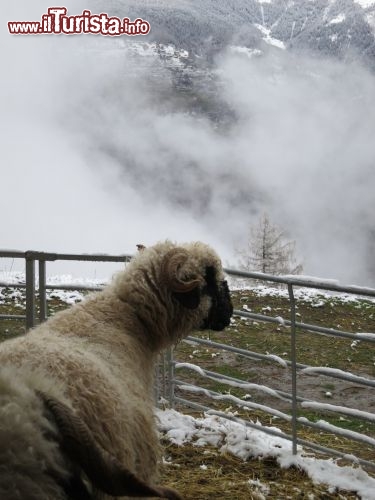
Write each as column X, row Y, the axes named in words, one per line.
column 190, row 300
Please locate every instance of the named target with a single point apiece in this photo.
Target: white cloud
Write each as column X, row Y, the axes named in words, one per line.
column 305, row 141
column 53, row 196
column 98, row 153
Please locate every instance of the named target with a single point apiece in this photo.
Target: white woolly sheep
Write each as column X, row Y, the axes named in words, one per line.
column 76, row 403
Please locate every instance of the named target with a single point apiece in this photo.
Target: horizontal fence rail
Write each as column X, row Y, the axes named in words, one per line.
column 32, row 257
column 330, row 285
column 177, row 391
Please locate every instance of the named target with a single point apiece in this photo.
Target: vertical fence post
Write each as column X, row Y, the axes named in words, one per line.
column 164, row 378
column 158, row 375
column 30, row 290
column 293, row 356
column 170, row 376
column 42, row 291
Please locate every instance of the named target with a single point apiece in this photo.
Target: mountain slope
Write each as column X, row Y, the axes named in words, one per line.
column 329, row 27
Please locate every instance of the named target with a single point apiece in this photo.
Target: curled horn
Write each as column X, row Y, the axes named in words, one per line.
column 103, row 470
column 171, row 263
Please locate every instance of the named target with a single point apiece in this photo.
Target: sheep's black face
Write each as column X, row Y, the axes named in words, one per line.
column 221, row 309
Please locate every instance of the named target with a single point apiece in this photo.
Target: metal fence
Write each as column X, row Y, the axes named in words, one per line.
column 170, row 386
column 36, row 296
column 175, row 386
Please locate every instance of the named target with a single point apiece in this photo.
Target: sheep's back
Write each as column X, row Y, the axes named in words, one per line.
column 117, row 408
column 28, row 460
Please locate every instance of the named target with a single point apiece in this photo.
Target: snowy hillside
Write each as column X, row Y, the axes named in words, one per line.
column 365, row 3
column 204, row 28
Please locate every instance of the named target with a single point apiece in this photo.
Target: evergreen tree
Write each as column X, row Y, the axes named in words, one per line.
column 268, row 251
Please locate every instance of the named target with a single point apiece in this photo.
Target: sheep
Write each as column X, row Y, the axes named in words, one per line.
column 76, row 392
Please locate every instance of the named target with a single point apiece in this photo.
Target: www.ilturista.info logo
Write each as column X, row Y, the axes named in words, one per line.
column 57, row 22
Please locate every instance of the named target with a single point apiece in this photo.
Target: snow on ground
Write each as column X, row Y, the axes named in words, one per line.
column 67, row 296
column 338, row 19
column 71, row 296
column 245, row 443
column 365, row 3
column 313, row 296
column 18, row 277
column 268, row 38
column 237, row 49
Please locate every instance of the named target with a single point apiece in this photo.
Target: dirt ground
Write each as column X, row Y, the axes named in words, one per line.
column 315, row 387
